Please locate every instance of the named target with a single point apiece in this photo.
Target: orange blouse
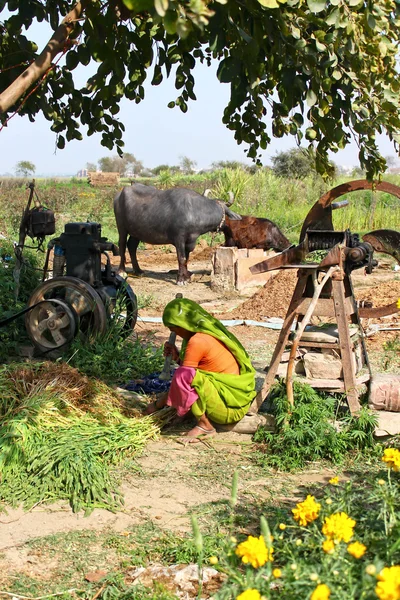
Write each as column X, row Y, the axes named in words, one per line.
column 205, row 352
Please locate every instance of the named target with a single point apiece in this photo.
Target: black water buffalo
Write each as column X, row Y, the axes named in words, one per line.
column 254, row 232
column 176, row 216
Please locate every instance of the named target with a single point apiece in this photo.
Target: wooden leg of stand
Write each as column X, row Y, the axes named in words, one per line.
column 280, row 346
column 349, row 375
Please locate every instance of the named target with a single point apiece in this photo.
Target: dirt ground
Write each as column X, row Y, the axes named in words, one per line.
column 172, row 479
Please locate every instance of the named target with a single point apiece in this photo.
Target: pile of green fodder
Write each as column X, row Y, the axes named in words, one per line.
column 60, row 435
column 316, row 428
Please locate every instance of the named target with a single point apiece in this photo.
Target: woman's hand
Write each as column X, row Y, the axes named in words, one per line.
column 150, row 408
column 171, row 350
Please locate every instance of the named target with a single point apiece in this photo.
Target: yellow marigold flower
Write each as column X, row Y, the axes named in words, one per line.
column 391, row 457
column 356, row 549
column 328, row 546
column 334, row 480
column 306, row 511
column 388, row 586
column 213, row 560
column 277, row 573
column 381, row 482
column 250, row 594
column 321, row 592
column 370, row 569
column 339, row 527
column 254, row 551
column 282, row 526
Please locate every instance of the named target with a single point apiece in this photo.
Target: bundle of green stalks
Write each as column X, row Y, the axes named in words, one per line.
column 60, row 435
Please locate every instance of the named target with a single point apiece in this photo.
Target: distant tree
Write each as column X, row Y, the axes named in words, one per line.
column 157, row 170
column 229, row 164
column 122, row 165
column 187, row 164
column 296, row 162
column 24, row 168
column 357, row 172
column 91, row 167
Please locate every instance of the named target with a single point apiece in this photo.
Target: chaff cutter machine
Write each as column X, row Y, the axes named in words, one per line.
column 325, row 289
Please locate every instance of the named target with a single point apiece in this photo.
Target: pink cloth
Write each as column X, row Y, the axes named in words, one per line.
column 181, row 395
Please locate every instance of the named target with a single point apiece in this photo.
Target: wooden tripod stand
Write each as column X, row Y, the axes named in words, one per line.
column 331, row 297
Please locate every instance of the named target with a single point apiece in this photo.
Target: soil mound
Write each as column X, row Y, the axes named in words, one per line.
column 272, row 300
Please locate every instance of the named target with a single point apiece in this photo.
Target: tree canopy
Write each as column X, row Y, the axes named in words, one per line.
column 321, row 70
column 122, row 165
column 296, row 163
column 23, row 168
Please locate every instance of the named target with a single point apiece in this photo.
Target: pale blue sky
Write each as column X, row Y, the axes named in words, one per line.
column 154, row 133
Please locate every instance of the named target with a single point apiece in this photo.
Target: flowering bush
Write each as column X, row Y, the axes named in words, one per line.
column 343, row 545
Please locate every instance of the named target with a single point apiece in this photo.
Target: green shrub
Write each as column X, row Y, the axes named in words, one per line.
column 311, row 430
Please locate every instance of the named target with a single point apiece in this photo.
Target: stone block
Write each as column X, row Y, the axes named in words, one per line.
column 385, row 392
column 223, row 269
column 250, row 424
column 388, row 423
column 322, row 366
column 231, row 268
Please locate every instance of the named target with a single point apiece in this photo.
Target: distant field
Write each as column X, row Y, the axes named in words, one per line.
column 285, row 201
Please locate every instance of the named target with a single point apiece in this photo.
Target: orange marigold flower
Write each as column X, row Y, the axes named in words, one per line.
column 388, row 586
column 277, row 573
column 391, row 457
column 356, row 549
column 321, row 592
column 249, row 594
column 328, row 546
column 253, row 551
column 339, row 527
column 306, row 511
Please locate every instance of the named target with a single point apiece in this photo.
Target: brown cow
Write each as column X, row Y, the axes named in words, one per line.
column 254, row 232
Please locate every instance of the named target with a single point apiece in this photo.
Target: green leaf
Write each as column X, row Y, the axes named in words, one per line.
column 333, row 17
column 228, row 69
column 311, row 97
column 316, row 6
column 161, row 7
column 72, row 60
column 371, row 21
column 269, row 3
column 138, row 5
column 60, row 142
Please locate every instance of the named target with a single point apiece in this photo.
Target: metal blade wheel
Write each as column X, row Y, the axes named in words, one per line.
column 385, row 241
column 125, row 310
column 51, row 325
column 83, row 303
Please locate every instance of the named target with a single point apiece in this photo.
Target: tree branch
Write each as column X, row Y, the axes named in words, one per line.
column 35, row 70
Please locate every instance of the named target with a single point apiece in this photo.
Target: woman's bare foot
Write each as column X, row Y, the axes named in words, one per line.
column 201, row 430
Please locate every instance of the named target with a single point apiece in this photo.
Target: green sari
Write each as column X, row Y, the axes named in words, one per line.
column 225, row 398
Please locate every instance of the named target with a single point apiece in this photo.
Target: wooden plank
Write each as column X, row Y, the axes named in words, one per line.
column 280, row 346
column 345, row 345
column 325, row 307
column 336, row 385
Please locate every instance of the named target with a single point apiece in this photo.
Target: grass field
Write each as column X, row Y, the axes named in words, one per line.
column 285, row 201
